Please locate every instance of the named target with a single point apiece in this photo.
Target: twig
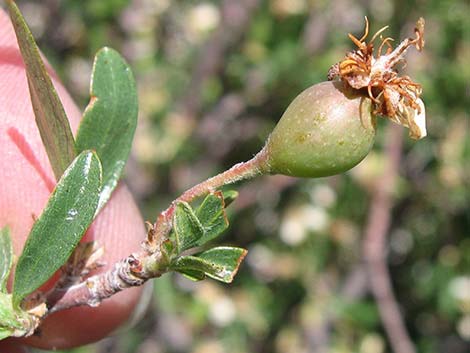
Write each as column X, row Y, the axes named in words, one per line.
column 374, row 245
column 151, row 262
column 96, row 288
column 245, row 170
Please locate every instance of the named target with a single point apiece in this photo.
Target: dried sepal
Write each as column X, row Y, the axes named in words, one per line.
column 35, row 305
column 396, row 97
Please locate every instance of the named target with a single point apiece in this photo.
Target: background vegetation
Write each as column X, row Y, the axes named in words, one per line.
column 213, row 79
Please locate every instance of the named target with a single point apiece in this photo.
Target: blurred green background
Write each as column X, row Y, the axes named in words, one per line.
column 213, row 79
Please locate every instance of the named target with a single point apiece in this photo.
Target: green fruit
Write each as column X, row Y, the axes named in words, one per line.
column 326, row 130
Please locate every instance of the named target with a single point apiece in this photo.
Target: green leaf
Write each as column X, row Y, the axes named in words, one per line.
column 220, row 263
column 228, row 257
column 109, row 121
column 5, row 333
column 187, row 228
column 60, row 227
column 6, row 257
column 212, row 216
column 8, row 322
column 192, row 274
column 11, row 320
column 50, row 115
column 7, row 312
column 229, row 197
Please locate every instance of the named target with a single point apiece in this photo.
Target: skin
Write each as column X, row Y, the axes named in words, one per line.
column 27, row 181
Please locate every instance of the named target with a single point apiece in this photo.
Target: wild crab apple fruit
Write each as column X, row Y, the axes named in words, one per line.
column 326, row 130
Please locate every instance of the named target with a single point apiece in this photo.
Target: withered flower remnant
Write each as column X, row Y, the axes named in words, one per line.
column 394, row 96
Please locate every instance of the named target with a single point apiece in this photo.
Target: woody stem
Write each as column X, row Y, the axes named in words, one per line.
column 256, row 166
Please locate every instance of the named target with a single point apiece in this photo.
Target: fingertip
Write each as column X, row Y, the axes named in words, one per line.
column 12, row 71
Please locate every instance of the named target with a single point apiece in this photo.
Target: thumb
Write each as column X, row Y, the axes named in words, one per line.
column 27, row 181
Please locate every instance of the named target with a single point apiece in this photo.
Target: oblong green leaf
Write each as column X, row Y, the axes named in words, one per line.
column 219, row 263
column 50, row 115
column 66, row 217
column 211, row 214
column 195, row 265
column 228, row 257
column 6, row 257
column 109, row 121
column 187, row 228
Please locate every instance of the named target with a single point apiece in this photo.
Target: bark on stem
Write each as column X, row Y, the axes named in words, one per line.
column 258, row 165
column 244, row 170
column 98, row 287
column 149, row 263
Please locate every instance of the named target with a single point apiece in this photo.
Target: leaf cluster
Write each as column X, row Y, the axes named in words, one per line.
column 193, row 229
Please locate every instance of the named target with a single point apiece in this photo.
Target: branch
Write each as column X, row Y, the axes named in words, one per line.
column 374, row 246
column 256, row 166
column 124, row 274
column 152, row 261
